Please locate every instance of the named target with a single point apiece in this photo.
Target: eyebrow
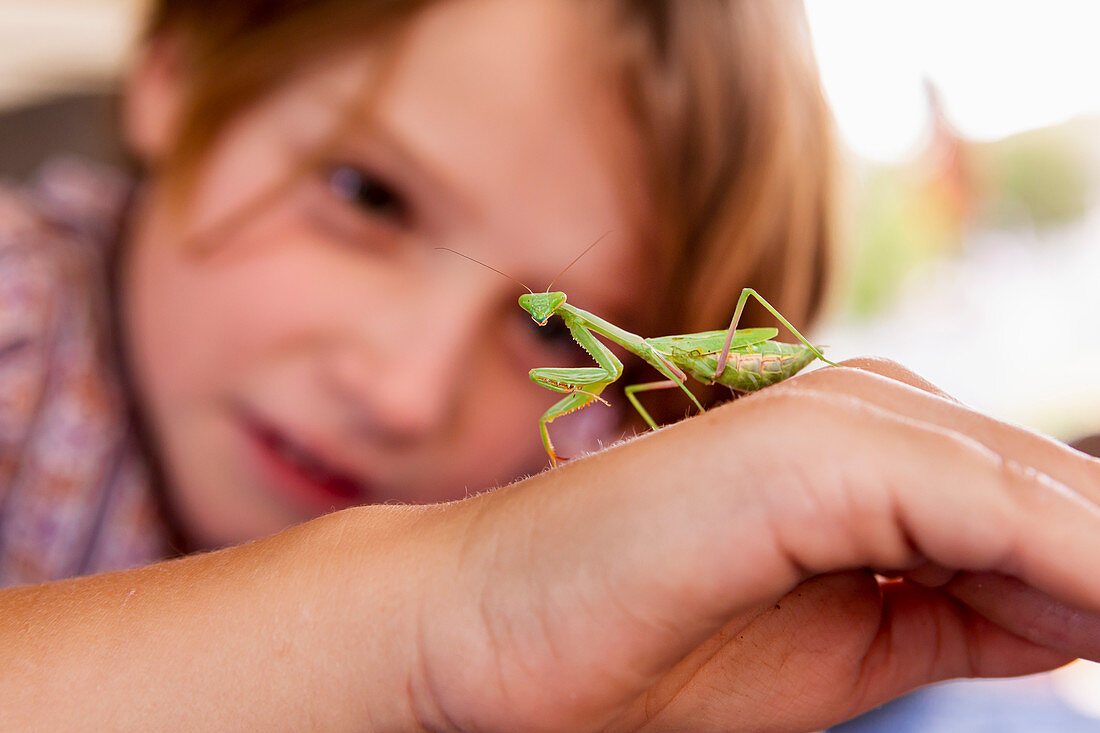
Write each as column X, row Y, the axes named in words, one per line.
column 355, row 119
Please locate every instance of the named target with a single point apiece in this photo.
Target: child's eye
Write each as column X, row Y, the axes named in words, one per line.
column 368, row 192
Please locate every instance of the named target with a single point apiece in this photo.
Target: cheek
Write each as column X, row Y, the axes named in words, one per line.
column 193, row 325
column 200, row 322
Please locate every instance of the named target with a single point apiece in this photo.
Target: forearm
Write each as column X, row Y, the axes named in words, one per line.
column 294, row 632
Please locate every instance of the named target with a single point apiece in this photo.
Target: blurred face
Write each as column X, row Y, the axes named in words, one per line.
column 318, row 351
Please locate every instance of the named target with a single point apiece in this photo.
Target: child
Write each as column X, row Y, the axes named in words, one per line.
column 294, row 342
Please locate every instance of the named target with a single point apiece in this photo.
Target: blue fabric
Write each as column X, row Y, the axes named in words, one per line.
column 974, row 706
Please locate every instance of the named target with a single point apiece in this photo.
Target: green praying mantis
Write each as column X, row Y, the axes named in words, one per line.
column 744, row 360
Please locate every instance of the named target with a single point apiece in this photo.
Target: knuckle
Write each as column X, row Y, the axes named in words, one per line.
column 878, row 365
column 861, row 367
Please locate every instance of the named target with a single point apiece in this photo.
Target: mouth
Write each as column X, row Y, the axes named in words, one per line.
column 310, row 480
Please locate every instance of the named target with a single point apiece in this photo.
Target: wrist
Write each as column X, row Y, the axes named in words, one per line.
column 368, row 575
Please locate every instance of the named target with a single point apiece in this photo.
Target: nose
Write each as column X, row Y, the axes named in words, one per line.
column 400, row 379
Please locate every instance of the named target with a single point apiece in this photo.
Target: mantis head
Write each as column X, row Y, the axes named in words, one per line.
column 541, row 305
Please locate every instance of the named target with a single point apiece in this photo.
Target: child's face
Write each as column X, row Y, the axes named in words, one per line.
column 323, row 353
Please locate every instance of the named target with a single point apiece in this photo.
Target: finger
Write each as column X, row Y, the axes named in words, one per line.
column 1029, row 613
column 895, row 371
column 928, row 575
column 707, row 518
column 926, row 488
column 1018, row 608
column 926, row 636
column 834, row 647
column 792, row 667
column 879, row 387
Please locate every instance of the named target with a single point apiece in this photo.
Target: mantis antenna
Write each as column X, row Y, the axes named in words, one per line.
column 471, row 259
column 576, row 259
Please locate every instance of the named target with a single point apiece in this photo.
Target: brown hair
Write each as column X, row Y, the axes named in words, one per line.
column 742, row 157
column 726, row 94
column 741, row 140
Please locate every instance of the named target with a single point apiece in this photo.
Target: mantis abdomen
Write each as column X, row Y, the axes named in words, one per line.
column 750, row 359
column 749, row 368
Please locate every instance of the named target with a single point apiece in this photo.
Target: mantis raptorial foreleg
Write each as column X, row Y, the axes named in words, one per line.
column 724, row 354
column 583, row 384
column 571, row 403
column 761, row 361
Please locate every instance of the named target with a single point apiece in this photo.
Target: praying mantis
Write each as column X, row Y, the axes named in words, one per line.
column 744, row 360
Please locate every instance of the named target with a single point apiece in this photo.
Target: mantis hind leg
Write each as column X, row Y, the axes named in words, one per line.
column 674, row 374
column 723, row 356
column 570, row 403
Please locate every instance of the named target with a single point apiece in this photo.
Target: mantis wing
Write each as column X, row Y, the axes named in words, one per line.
column 710, row 342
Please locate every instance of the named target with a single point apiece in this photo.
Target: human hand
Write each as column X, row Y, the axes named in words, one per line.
column 719, row 574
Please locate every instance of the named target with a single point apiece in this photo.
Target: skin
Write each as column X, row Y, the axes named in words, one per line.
column 279, row 317
column 613, row 594
column 717, row 574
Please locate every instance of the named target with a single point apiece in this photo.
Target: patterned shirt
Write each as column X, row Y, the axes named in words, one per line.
column 75, row 489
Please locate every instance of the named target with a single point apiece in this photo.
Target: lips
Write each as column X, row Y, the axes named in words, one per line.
column 310, row 477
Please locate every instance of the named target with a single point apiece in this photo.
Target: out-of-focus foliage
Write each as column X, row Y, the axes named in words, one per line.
column 912, row 212
column 1038, row 178
column 902, row 222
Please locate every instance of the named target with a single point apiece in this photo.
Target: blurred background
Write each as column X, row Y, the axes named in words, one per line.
column 971, row 253
column 974, row 241
column 972, row 249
